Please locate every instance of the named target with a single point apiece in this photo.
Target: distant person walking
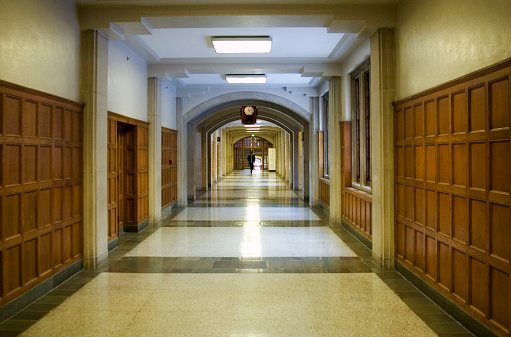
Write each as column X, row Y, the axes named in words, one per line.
column 251, row 160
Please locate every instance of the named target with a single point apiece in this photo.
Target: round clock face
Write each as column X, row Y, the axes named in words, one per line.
column 248, row 110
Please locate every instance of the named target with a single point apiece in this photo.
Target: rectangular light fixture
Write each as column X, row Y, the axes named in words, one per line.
column 241, row 44
column 245, row 78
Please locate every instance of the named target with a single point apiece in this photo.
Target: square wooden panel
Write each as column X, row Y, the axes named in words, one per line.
column 67, row 202
column 431, row 210
column 443, row 116
column 77, row 162
column 478, row 164
column 12, row 276
column 400, row 163
column 431, row 258
column 444, row 214
column 67, row 242
column 409, row 203
column 478, row 224
column 44, row 121
column 12, row 115
column 12, row 165
column 68, row 124
column 77, row 199
column 57, row 247
column 477, row 111
column 419, row 120
column 444, row 267
column 30, row 264
column 444, row 163
column 45, row 253
column 57, row 122
column 460, row 275
column 459, row 163
column 419, row 251
column 499, row 104
column 431, row 125
column 500, row 169
column 77, row 126
column 409, row 162
column 479, row 284
column 460, row 219
column 57, row 162
column 44, row 163
column 68, row 162
column 420, row 163
column 57, row 204
column 500, row 297
column 500, row 235
column 400, row 235
column 29, row 212
column 29, row 164
column 410, row 245
column 459, row 113
column 12, row 219
column 419, row 206
column 29, row 119
column 431, row 166
column 409, row 126
column 44, row 208
column 400, row 191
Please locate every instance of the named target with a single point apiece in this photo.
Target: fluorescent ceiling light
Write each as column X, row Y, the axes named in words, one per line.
column 241, row 44
column 245, row 78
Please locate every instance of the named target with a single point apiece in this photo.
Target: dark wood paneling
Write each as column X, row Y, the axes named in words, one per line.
column 460, row 211
column 112, row 179
column 324, row 191
column 40, row 187
column 168, row 167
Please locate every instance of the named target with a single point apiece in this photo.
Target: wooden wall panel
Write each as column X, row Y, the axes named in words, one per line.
column 168, row 167
column 112, row 179
column 454, row 231
column 40, row 187
column 324, row 192
column 142, row 153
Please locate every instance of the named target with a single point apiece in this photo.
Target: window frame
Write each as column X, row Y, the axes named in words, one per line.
column 361, row 126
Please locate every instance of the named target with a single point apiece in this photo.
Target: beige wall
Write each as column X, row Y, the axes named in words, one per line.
column 40, row 46
column 440, row 40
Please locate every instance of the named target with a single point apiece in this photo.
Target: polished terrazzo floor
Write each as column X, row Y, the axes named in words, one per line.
column 248, row 258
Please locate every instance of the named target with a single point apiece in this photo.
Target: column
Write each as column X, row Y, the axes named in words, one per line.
column 334, row 146
column 93, row 92
column 313, row 150
column 306, row 164
column 205, row 162
column 383, row 93
column 154, row 117
column 182, row 153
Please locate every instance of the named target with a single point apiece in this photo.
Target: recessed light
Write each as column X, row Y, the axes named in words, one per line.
column 245, row 78
column 241, row 44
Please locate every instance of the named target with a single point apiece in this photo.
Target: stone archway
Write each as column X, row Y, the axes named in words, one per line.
column 212, row 114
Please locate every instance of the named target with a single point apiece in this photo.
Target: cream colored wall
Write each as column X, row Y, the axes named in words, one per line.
column 40, row 46
column 440, row 40
column 127, row 82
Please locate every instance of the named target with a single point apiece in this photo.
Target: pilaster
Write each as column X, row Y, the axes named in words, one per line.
column 93, row 92
column 313, row 149
column 383, row 93
column 154, row 117
column 334, row 146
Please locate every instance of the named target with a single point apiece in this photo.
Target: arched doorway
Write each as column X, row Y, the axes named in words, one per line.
column 243, row 147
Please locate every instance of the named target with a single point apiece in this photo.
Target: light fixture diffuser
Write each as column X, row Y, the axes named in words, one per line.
column 245, row 78
column 241, row 44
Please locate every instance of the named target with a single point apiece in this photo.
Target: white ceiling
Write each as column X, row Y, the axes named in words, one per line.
column 176, row 42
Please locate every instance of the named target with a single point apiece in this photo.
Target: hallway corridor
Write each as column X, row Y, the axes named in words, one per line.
column 247, row 258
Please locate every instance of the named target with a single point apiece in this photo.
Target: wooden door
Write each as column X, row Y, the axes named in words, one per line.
column 121, row 148
column 113, row 183
column 130, row 174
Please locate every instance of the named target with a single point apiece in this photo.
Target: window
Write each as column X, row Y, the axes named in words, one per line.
column 361, row 124
column 325, row 135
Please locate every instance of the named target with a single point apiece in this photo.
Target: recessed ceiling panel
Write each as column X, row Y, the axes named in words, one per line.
column 287, row 42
